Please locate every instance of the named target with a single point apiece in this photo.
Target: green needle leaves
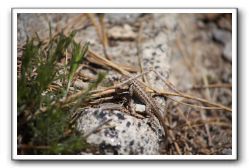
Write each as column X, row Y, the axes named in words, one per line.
column 43, row 126
column 77, row 57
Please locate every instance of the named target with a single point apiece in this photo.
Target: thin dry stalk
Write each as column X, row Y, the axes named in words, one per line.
column 186, row 56
column 105, row 41
column 218, row 106
column 100, row 29
column 97, row 128
column 203, row 122
column 94, row 57
column 213, row 86
column 75, row 23
column 195, row 106
column 27, row 146
column 139, row 50
column 171, row 86
column 95, row 23
column 203, row 114
column 188, row 123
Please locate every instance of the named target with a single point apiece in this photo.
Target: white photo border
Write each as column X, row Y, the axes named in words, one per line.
column 233, row 11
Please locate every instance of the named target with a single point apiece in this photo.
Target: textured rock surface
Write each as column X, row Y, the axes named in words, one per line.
column 124, row 134
column 122, row 18
column 29, row 24
column 224, row 37
column 228, row 50
column 181, row 44
column 129, row 134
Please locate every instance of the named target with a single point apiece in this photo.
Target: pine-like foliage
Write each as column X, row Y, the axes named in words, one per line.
column 42, row 123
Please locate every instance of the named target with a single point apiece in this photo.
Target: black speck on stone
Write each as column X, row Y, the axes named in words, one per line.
column 106, row 132
column 102, row 144
column 131, row 143
column 142, row 149
column 96, row 112
column 159, row 46
column 102, row 114
column 139, row 124
column 154, row 53
column 128, row 124
column 120, row 116
column 104, row 148
column 111, row 133
column 160, row 131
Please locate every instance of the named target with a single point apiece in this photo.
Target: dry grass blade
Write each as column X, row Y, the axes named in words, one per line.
column 139, row 50
column 195, row 98
column 100, row 29
column 105, row 41
column 203, row 122
column 75, row 23
column 196, row 106
column 216, row 85
column 94, row 57
column 97, row 128
column 94, row 21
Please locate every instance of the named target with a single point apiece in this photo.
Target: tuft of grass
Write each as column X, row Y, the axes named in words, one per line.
column 43, row 125
column 77, row 57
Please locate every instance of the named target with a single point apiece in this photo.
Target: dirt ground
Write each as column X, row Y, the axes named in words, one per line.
column 191, row 51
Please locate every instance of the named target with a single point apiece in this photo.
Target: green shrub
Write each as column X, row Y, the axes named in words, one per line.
column 43, row 124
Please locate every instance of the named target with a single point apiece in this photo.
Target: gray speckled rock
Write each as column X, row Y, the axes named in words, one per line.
column 226, row 151
column 155, row 51
column 225, row 37
column 123, row 135
column 227, row 52
column 30, row 23
column 122, row 18
column 222, row 36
